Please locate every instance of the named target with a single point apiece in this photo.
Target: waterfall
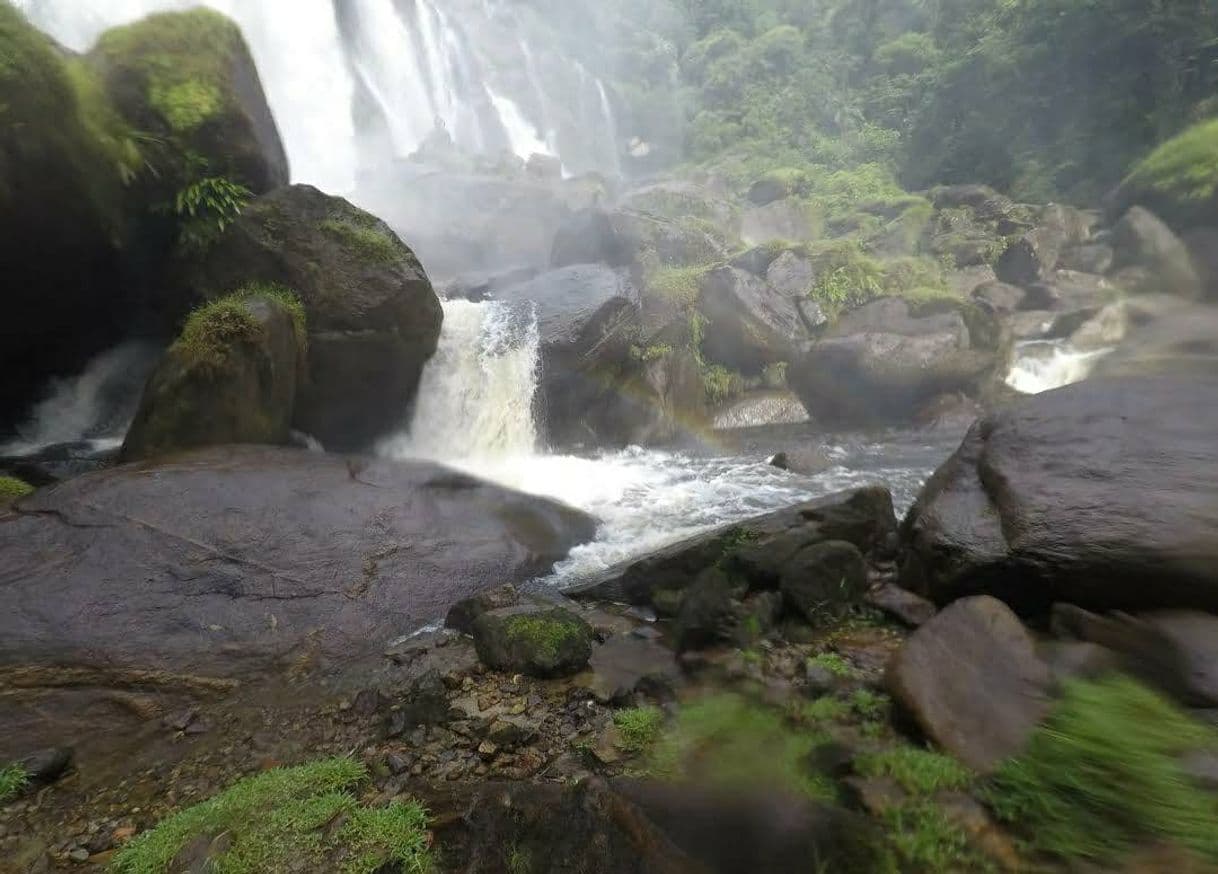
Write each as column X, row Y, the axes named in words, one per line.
column 475, row 401
column 1043, row 365
column 418, row 67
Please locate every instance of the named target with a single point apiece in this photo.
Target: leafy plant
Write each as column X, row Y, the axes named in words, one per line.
column 639, row 727
column 918, row 771
column 13, row 780
column 206, row 207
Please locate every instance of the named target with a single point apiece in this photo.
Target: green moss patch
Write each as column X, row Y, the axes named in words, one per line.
column 678, row 285
column 213, row 329
column 1184, row 168
column 367, row 241
column 1103, row 775
column 283, row 819
column 12, row 488
column 13, row 778
column 639, row 727
column 546, row 634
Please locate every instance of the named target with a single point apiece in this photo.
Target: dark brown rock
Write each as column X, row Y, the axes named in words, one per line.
column 972, row 681
column 909, row 608
column 626, row 662
column 533, row 639
column 823, row 580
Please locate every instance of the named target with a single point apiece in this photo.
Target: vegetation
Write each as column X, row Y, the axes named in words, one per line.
column 1181, row 176
column 278, row 819
column 924, row 839
column 211, row 330
column 205, row 207
column 545, row 634
column 12, row 488
column 639, row 727
column 918, row 771
column 1104, row 775
column 366, row 239
column 13, row 778
column 834, row 664
column 680, row 285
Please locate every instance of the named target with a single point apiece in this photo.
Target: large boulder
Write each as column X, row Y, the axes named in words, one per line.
column 971, row 679
column 225, row 562
column 629, row 238
column 373, row 317
column 1103, row 494
column 230, row 378
column 1151, row 258
column 882, row 362
column 750, row 324
column 1166, row 334
column 188, row 78
column 61, row 215
column 534, row 640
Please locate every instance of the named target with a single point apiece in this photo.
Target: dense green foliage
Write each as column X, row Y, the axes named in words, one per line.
column 13, row 778
column 12, row 488
column 277, row 821
column 639, row 727
column 212, row 329
column 1104, row 775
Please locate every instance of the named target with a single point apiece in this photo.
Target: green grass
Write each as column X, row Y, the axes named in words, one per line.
column 1184, row 168
column 925, row 840
column 367, row 241
column 1103, row 776
column 211, row 330
column 277, row 819
column 639, row 727
column 678, row 285
column 728, row 740
column 918, row 771
column 824, row 709
column 13, row 780
column 870, row 706
column 286, row 298
column 545, row 633
column 834, row 664
column 12, row 488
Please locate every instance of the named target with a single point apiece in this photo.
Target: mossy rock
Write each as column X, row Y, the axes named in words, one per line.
column 11, row 489
column 373, row 317
column 188, row 79
column 538, row 641
column 231, row 377
column 1177, row 181
column 63, row 160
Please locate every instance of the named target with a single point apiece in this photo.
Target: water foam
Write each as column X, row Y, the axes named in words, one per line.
column 1043, row 365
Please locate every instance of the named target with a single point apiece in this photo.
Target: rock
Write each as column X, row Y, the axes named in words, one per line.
column 877, row 796
column 626, row 663
column 823, row 580
column 1164, row 335
column 62, row 221
column 478, row 287
column 188, row 78
column 235, row 563
column 983, row 202
column 754, row 325
column 1202, row 244
column 1141, row 240
column 1202, row 769
column 1088, row 258
column 883, row 361
column 972, row 681
column 373, row 318
column 626, row 238
column 1072, row 660
column 708, row 612
column 902, row 604
column 233, row 380
column 767, row 407
column 999, row 296
column 1104, row 330
column 755, row 550
column 1086, row 494
column 806, row 461
column 548, row 167
column 757, row 259
column 533, row 640
column 791, row 276
column 47, row 766
column 425, row 703
column 788, row 219
column 590, row 237
column 1029, row 259
column 462, row 615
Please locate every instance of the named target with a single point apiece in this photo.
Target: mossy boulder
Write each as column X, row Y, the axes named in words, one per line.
column 538, row 641
column 373, row 317
column 63, row 160
column 188, row 80
column 231, row 377
column 1178, row 180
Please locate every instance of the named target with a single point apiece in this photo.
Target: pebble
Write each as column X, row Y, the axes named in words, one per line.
column 78, row 855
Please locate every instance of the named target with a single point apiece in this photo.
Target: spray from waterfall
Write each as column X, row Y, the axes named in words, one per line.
column 1043, row 365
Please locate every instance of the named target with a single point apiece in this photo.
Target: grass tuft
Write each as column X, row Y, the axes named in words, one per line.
column 277, row 820
column 1103, row 775
column 918, row 771
column 12, row 488
column 834, row 664
column 639, row 727
column 367, row 241
column 211, row 331
column 924, row 839
column 13, row 780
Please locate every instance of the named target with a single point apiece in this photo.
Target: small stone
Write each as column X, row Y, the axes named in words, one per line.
column 78, row 855
column 366, row 703
column 198, row 726
column 487, row 750
column 396, row 764
column 181, row 720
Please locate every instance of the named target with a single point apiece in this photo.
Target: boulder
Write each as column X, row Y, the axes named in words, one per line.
column 880, row 363
column 755, row 551
column 373, row 318
column 62, row 217
column 1088, row 258
column 535, row 640
column 791, row 276
column 223, row 562
column 1103, row 494
column 188, row 78
column 791, row 219
column 1029, row 259
column 750, row 324
column 591, row 237
column 230, row 378
column 707, row 612
column 1165, row 334
column 1141, row 240
column 999, row 296
column 824, row 580
column 972, row 681
column 630, row 238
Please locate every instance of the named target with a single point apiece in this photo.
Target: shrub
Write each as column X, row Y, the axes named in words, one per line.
column 205, row 207
column 1103, row 775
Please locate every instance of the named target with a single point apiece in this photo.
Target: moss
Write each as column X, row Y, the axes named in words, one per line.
column 678, row 285
column 834, row 664
column 870, row 706
column 731, row 741
column 924, row 839
column 184, row 60
column 918, row 771
column 519, row 860
column 824, row 709
column 1184, row 168
column 1103, row 775
column 13, row 778
column 12, row 488
column 278, row 819
column 546, row 634
column 366, row 240
column 287, row 299
column 213, row 329
column 648, row 354
column 639, row 727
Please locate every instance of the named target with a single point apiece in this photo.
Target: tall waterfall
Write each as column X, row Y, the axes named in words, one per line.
column 349, row 79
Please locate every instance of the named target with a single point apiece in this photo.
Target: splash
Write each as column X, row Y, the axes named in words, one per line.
column 1043, row 365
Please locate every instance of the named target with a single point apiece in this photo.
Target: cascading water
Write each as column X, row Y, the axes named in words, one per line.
column 1043, row 365
column 419, row 68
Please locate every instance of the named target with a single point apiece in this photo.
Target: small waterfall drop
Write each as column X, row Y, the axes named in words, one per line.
column 475, row 401
column 1043, row 365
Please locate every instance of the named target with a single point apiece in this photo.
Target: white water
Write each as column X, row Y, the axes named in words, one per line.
column 475, row 413
column 1043, row 365
column 418, row 65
